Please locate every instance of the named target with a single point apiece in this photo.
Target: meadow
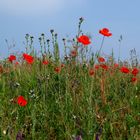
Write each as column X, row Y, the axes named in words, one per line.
column 74, row 97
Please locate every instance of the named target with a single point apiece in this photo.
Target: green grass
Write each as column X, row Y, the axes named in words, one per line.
column 65, row 105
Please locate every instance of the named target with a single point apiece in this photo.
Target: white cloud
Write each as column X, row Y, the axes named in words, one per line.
column 35, row 7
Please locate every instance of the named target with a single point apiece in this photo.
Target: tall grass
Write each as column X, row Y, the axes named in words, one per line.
column 71, row 103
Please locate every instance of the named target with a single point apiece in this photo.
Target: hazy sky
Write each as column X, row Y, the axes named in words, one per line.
column 18, row 17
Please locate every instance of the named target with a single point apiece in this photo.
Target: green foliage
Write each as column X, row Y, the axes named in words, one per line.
column 70, row 103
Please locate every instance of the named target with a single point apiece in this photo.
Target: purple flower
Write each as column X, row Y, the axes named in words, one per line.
column 97, row 137
column 20, row 136
column 100, row 131
column 78, row 138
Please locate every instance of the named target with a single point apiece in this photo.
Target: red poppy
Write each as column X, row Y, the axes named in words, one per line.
column 62, row 65
column 57, row 69
column 73, row 53
column 21, row 101
column 45, row 62
column 134, row 79
column 11, row 58
column 135, row 71
column 124, row 70
column 16, row 63
column 104, row 66
column 29, row 59
column 116, row 65
column 105, row 32
column 1, row 69
column 91, row 72
column 101, row 59
column 96, row 66
column 84, row 40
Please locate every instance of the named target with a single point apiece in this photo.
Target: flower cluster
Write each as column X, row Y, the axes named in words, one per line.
column 21, row 101
column 29, row 59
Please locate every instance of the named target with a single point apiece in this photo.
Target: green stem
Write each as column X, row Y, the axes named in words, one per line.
column 98, row 53
column 119, row 51
column 101, row 45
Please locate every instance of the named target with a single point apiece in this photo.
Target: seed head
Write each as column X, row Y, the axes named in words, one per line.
column 43, row 34
column 51, row 31
column 48, row 40
column 39, row 38
column 81, row 19
column 55, row 35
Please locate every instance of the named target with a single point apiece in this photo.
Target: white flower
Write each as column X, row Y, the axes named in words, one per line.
column 4, row 132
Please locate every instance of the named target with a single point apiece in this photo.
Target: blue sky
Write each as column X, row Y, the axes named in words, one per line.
column 39, row 16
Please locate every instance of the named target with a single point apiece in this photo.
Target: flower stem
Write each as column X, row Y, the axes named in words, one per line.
column 101, row 45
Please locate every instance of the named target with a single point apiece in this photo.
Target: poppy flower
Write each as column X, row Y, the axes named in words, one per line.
column 84, row 40
column 73, row 53
column 104, row 66
column 21, row 101
column 105, row 32
column 124, row 70
column 97, row 66
column 91, row 72
column 17, row 63
column 45, row 62
column 29, row 59
column 101, row 59
column 135, row 71
column 134, row 79
column 11, row 58
column 62, row 65
column 116, row 65
column 1, row 69
column 57, row 69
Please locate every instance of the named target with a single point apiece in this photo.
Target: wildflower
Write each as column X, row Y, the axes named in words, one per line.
column 1, row 69
column 40, row 39
column 81, row 19
column 43, row 34
column 57, row 69
column 55, row 35
column 17, row 63
column 105, row 32
column 66, row 57
column 20, row 136
column 62, row 65
column 73, row 53
column 134, row 79
column 97, row 137
column 11, row 58
column 84, row 40
column 135, row 71
column 16, row 84
column 101, row 59
column 98, row 134
column 116, row 65
column 91, row 72
column 104, row 66
column 31, row 37
column 29, row 59
column 4, row 132
column 96, row 67
column 124, row 70
column 78, row 137
column 48, row 40
column 64, row 39
column 45, row 62
column 21, row 101
column 52, row 31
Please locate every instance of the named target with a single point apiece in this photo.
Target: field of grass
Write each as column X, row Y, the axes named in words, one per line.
column 75, row 97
